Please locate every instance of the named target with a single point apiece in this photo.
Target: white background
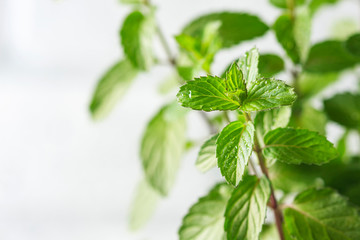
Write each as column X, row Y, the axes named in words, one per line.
column 63, row 176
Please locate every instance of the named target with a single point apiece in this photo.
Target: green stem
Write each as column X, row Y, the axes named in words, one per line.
column 291, row 6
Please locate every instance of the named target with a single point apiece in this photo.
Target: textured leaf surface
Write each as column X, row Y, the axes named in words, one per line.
column 266, row 94
column 246, row 209
column 207, row 155
column 206, row 93
column 322, row 215
column 329, row 56
column 353, row 45
column 205, row 220
column 111, row 87
column 284, row 31
column 143, row 205
column 233, row 149
column 136, row 39
column 162, row 146
column 235, row 27
column 249, row 66
column 297, row 146
column 344, row 109
column 270, row 64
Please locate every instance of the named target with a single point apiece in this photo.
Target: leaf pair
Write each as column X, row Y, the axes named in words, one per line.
column 242, row 89
column 227, row 213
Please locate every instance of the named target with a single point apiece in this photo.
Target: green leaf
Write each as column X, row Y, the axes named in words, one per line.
column 295, row 178
column 269, row 232
column 235, row 27
column 353, row 45
column 162, row 146
column 266, row 94
column 205, row 219
column 302, row 32
column 329, row 56
column 322, row 214
column 111, row 87
column 249, row 66
column 312, row 119
column 312, row 83
column 316, row 4
column 284, row 31
column 295, row 146
column 344, row 109
column 283, row 3
column 207, row 94
column 270, row 64
column 136, row 38
column 233, row 149
column 143, row 205
column 207, row 155
column 246, row 209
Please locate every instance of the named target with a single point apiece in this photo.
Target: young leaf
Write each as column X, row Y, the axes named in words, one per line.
column 136, row 39
column 249, row 66
column 266, row 94
column 329, row 56
column 207, row 155
column 270, row 64
column 344, row 109
column 233, row 149
column 295, row 146
column 269, row 120
column 207, row 94
column 235, row 79
column 143, row 205
column 353, row 45
column 111, row 87
column 235, row 27
column 246, row 209
column 302, row 31
column 284, row 31
column 322, row 215
column 205, row 219
column 162, row 146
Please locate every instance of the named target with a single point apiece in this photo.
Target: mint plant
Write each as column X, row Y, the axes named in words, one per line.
column 282, row 177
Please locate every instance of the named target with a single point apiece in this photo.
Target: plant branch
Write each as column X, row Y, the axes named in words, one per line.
column 272, row 202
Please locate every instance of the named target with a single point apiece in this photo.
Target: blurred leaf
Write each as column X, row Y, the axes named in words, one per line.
column 246, row 209
column 205, row 219
column 321, row 215
column 207, row 155
column 233, row 149
column 329, row 56
column 343, row 28
column 342, row 145
column 294, row 178
column 283, row 3
column 235, row 27
column 266, row 94
column 188, row 72
column 312, row 119
column 143, row 205
column 353, row 45
column 269, row 232
column 284, row 31
column 132, row 1
column 316, row 4
column 270, row 64
column 207, row 94
column 169, row 83
column 311, row 84
column 136, row 38
column 344, row 109
column 295, row 146
column 162, row 146
column 111, row 87
column 302, row 32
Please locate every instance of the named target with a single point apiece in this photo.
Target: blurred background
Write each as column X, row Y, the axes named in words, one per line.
column 64, row 176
